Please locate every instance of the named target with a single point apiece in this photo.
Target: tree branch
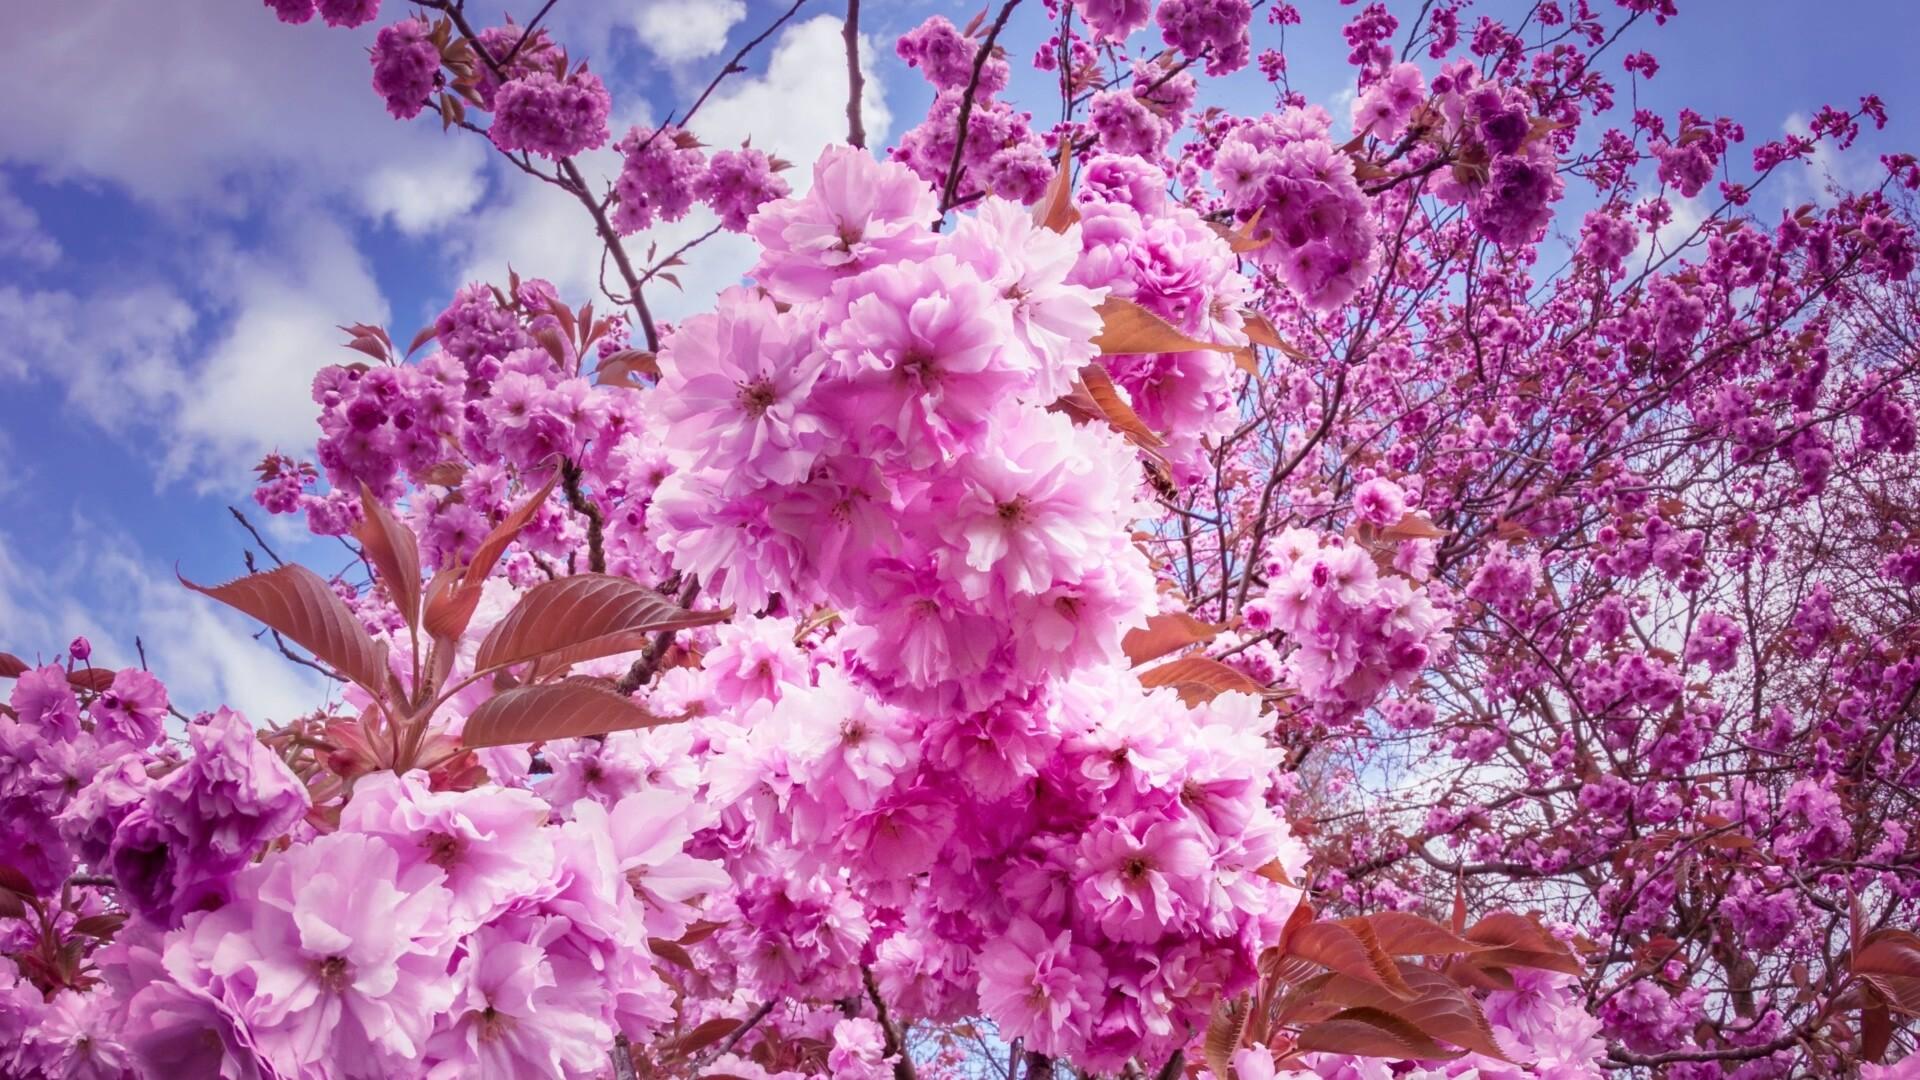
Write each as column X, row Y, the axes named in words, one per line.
column 255, row 533
column 966, row 105
column 856, row 82
column 596, row 552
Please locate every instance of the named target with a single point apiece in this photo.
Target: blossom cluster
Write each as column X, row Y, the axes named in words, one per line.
column 997, row 151
column 408, row 932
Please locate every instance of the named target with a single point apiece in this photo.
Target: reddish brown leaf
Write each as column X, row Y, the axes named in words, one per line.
column 1248, row 236
column 1439, row 1008
column 1516, row 941
column 1275, row 873
column 625, row 367
column 1889, row 960
column 1351, row 951
column 1371, row 1033
column 1412, row 527
column 13, row 881
column 450, row 606
column 1401, row 933
column 672, row 950
column 1876, row 1031
column 445, row 474
column 583, row 617
column 100, row 926
column 1126, row 328
column 1225, row 1031
column 1165, row 633
column 12, row 667
column 1200, row 680
column 394, row 552
column 1055, row 210
column 1114, row 408
column 701, row 931
column 1261, row 332
column 94, row 679
column 304, row 608
column 1480, row 975
column 427, row 333
column 567, row 709
column 705, row 1035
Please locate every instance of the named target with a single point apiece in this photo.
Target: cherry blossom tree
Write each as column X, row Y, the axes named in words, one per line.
column 1176, row 590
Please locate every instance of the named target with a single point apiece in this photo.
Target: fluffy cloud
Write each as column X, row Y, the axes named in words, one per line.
column 681, row 30
column 215, row 378
column 421, row 196
column 101, row 586
column 251, row 391
column 200, row 102
column 22, row 241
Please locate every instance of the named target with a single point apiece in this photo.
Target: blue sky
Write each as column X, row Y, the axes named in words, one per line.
column 192, row 195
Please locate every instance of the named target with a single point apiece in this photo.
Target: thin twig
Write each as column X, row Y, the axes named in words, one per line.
column 733, row 1037
column 287, row 651
column 733, row 67
column 655, row 269
column 966, row 106
column 257, row 538
column 527, row 33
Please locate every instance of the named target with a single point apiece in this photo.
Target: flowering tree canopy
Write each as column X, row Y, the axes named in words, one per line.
column 1170, row 591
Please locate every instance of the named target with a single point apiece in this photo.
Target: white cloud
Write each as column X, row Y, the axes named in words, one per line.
column 201, row 102
column 794, row 108
column 251, row 392
column 104, row 589
column 1679, row 229
column 22, row 241
column 420, row 197
column 131, row 361
column 1812, row 180
column 82, row 342
column 800, row 104
column 681, row 30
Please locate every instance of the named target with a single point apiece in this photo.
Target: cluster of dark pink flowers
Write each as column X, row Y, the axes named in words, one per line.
column 998, row 151
column 665, row 172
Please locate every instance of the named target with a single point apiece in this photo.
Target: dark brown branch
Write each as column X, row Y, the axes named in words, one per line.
column 896, row 1040
column 642, row 671
column 856, row 82
column 255, row 533
column 966, row 106
column 733, row 67
column 596, row 551
column 622, row 1055
column 733, row 1037
column 287, row 651
column 527, row 34
column 572, row 180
